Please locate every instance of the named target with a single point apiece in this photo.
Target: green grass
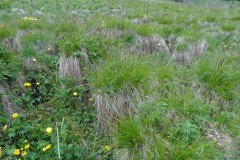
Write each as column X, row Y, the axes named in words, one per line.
column 219, row 75
column 128, row 133
column 121, row 72
column 176, row 105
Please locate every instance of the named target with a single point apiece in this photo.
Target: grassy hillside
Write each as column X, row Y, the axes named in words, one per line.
column 119, row 79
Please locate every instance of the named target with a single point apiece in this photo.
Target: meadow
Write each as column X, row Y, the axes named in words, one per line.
column 119, row 79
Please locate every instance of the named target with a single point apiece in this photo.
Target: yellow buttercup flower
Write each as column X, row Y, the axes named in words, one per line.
column 75, row 94
column 108, row 147
column 90, row 99
column 27, row 146
column 16, row 152
column 48, row 146
column 49, row 130
column 15, row 115
column 27, row 84
column 29, row 19
column 4, row 127
column 24, row 153
column 37, row 83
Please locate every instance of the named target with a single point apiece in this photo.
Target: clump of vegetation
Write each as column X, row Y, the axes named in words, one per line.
column 4, row 32
column 128, row 133
column 228, row 27
column 220, row 75
column 118, row 72
column 5, row 4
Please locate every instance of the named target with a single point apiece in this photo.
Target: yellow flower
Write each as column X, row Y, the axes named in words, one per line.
column 16, row 152
column 4, row 127
column 49, row 130
column 108, row 147
column 27, row 84
column 25, row 140
column 27, row 146
column 29, row 19
column 158, row 44
column 37, row 83
column 90, row 99
column 48, row 146
column 24, row 153
column 75, row 94
column 15, row 115
column 21, row 149
column 34, row 59
column 169, row 44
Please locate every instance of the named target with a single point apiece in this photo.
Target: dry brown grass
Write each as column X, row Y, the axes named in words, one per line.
column 70, row 67
column 109, row 33
column 28, row 63
column 7, row 105
column 51, row 49
column 195, row 49
column 113, row 106
column 223, row 139
column 150, row 44
column 198, row 48
column 13, row 43
column 141, row 20
column 182, row 57
column 20, row 80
